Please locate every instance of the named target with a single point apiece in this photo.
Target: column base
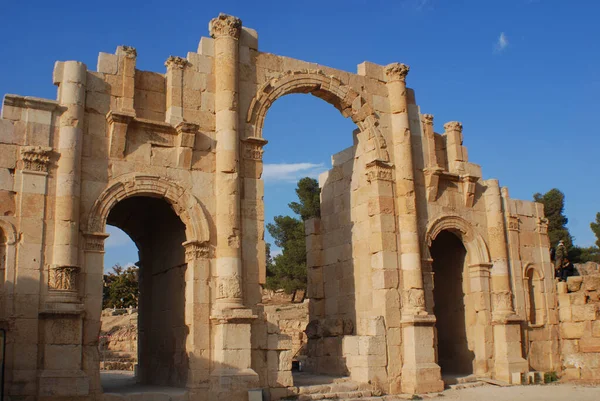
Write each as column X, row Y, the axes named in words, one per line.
column 232, row 384
column 424, row 378
column 420, row 373
column 63, row 383
column 508, row 358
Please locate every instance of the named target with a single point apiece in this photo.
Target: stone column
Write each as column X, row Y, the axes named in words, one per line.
column 226, row 29
column 420, row 373
column 71, row 77
column 175, row 69
column 432, row 168
column 231, row 323
column 454, row 150
column 507, row 325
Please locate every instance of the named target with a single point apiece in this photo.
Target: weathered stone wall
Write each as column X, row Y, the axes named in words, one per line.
column 579, row 309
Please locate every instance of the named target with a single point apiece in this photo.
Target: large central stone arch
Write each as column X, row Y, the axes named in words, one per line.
column 327, row 87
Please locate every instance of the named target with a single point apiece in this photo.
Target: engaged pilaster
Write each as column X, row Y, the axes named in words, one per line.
column 456, row 153
column 432, row 169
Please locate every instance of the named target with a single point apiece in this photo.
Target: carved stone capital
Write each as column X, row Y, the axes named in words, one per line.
column 502, row 302
column 63, row 278
column 225, row 25
column 427, row 119
column 94, row 242
column 229, row 287
column 127, row 51
column 453, row 126
column 513, row 222
column 396, row 72
column 36, row 158
column 414, row 299
column 176, row 62
column 378, row 170
column 253, row 148
column 196, row 250
column 542, row 225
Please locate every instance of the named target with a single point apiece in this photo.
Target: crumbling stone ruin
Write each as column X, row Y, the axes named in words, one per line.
column 418, row 268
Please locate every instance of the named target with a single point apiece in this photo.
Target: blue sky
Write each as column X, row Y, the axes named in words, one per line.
column 522, row 76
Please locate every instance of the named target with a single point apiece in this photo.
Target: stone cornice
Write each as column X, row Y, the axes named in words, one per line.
column 225, row 25
column 34, row 103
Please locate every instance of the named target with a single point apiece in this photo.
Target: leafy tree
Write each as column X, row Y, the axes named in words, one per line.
column 595, row 226
column 287, row 271
column 554, row 206
column 308, row 192
column 121, row 288
column 581, row 255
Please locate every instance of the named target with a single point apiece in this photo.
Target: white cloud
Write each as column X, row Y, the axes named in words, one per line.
column 502, row 43
column 117, row 238
column 291, row 172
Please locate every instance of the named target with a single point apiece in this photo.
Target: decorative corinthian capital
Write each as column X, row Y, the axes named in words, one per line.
column 453, row 126
column 225, row 25
column 427, row 119
column 396, row 72
column 176, row 62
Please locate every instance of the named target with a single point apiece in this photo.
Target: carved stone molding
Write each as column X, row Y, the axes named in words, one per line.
column 542, row 225
column 453, row 126
column 253, row 148
column 396, row 72
column 469, row 185
column 36, row 158
column 176, row 62
column 94, row 242
column 513, row 223
column 196, row 250
column 63, row 278
column 118, row 124
column 378, row 170
column 225, row 25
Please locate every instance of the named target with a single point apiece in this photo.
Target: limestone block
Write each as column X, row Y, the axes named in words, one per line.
column 62, row 357
column 8, row 156
column 574, row 283
column 6, row 180
column 572, row 330
column 570, row 347
column 584, row 312
column 572, row 374
column 206, row 47
column 249, row 38
column 561, row 288
column 565, row 314
column 371, row 70
column 7, row 132
column 578, row 298
column 280, row 379
column 590, row 282
column 589, row 345
column 596, row 328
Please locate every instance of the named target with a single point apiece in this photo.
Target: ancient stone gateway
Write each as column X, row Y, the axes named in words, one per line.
column 418, row 267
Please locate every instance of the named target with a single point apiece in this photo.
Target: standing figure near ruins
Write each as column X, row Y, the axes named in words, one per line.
column 559, row 257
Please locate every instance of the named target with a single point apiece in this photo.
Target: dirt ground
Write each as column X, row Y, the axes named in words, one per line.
column 548, row 392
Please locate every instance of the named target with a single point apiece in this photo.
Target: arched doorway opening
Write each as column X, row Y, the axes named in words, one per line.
column 450, row 288
column 158, row 233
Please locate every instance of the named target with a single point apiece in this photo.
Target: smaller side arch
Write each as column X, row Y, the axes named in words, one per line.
column 185, row 205
column 477, row 249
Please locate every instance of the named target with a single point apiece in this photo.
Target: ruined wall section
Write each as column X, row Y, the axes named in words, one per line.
column 532, row 279
column 579, row 309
